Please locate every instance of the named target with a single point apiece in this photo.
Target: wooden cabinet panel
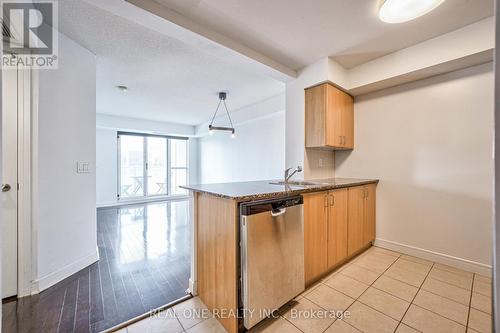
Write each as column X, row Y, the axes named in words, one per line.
column 334, row 126
column 369, row 214
column 348, row 122
column 315, row 235
column 337, row 227
column 315, row 117
column 329, row 117
column 355, row 209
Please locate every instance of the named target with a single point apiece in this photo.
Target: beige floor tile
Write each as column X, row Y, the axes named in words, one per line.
column 372, row 265
column 330, row 275
column 451, row 278
column 442, row 306
column 347, row 285
column 481, row 302
column 386, row 303
column 367, row 319
column 396, row 288
column 453, row 270
column 405, row 276
column 309, row 290
column 480, row 321
column 482, row 278
column 278, row 325
column 411, row 266
column 330, row 299
column 191, row 312
column 417, row 260
column 211, row 325
column 379, row 256
column 163, row 322
column 309, row 317
column 447, row 290
column 402, row 328
column 361, row 274
column 377, row 249
column 470, row 330
column 427, row 321
column 482, row 288
column 340, row 326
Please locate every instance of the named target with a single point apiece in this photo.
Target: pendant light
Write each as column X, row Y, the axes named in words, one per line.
column 398, row 11
column 211, row 127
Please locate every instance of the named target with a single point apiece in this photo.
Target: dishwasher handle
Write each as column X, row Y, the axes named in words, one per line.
column 278, row 211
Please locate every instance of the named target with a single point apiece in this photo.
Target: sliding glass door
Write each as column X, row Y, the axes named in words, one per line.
column 151, row 165
column 131, row 168
column 156, row 166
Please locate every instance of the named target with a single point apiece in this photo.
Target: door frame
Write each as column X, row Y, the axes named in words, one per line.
column 26, row 113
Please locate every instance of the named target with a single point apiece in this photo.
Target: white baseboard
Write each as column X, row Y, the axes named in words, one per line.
column 51, row 279
column 192, row 287
column 441, row 258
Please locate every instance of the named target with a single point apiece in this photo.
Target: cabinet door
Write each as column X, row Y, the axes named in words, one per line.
column 315, row 117
column 334, row 128
column 369, row 214
column 337, row 227
column 348, row 121
column 356, row 205
column 315, row 235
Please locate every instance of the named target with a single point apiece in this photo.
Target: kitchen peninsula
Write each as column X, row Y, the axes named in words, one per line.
column 338, row 222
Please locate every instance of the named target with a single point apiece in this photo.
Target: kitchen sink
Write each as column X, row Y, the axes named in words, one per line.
column 296, row 183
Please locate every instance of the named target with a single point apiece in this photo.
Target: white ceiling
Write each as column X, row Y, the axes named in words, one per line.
column 297, row 33
column 168, row 80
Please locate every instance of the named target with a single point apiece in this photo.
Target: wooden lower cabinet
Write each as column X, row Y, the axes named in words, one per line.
column 337, row 224
column 337, row 227
column 315, row 235
column 355, row 216
column 369, row 214
column 361, row 216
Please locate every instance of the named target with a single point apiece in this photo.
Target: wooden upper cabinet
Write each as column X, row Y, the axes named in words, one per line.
column 315, row 235
column 337, row 227
column 329, row 117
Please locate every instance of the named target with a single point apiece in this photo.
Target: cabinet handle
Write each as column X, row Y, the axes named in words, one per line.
column 340, row 139
column 332, row 200
column 344, row 140
column 326, row 200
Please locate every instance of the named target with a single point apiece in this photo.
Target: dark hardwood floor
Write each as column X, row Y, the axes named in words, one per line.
column 144, row 264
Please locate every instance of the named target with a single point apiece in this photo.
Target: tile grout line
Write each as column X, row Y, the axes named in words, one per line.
column 356, row 299
column 409, row 306
column 470, row 300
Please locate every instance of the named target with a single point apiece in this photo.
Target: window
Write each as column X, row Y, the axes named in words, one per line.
column 151, row 165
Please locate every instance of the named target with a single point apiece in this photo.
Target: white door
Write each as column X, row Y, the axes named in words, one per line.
column 9, row 182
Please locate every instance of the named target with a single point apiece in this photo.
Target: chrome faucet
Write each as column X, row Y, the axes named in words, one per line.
column 289, row 175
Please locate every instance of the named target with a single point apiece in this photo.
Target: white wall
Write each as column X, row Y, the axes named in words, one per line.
column 106, row 166
column 256, row 153
column 64, row 201
column 430, row 144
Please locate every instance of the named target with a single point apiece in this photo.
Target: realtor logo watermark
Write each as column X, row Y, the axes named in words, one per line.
column 30, row 38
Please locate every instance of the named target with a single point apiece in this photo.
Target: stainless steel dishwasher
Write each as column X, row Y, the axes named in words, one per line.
column 272, row 255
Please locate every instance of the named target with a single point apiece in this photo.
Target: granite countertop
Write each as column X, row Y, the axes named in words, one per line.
column 246, row 191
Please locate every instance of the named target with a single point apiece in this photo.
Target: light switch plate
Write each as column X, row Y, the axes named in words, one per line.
column 82, row 167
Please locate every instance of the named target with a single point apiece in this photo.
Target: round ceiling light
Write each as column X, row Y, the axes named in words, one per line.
column 398, row 11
